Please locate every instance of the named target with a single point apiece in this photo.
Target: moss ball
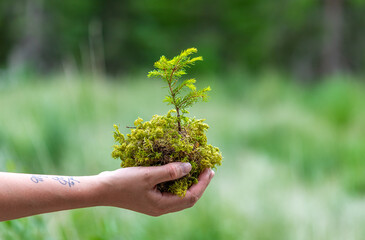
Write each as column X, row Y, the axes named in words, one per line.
column 158, row 142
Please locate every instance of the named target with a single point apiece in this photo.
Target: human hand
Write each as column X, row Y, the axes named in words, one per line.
column 135, row 188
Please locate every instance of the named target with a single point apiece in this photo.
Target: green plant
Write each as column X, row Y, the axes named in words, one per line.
column 171, row 71
column 171, row 138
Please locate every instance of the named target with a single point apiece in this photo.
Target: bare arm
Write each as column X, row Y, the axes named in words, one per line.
column 134, row 188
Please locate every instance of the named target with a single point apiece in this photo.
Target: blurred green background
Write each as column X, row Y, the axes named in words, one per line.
column 287, row 110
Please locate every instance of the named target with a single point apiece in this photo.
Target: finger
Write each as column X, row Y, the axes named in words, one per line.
column 173, row 203
column 168, row 172
column 169, row 202
column 195, row 192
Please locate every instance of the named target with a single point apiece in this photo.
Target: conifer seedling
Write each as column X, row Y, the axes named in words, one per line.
column 173, row 137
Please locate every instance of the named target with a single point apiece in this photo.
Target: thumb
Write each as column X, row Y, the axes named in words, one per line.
column 169, row 172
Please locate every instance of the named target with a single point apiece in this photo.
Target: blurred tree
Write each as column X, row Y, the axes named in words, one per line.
column 5, row 30
column 305, row 37
column 333, row 36
column 29, row 47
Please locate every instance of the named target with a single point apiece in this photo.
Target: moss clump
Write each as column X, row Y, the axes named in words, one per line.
column 158, row 142
column 171, row 138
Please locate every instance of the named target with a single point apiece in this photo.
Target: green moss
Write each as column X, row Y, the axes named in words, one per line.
column 158, row 142
column 169, row 138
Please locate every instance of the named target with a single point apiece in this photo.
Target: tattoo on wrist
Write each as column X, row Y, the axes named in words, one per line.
column 67, row 181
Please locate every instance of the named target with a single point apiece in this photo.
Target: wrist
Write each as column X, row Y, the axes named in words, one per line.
column 100, row 189
column 90, row 193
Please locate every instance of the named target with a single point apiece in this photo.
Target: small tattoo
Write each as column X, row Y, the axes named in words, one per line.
column 69, row 181
column 37, row 179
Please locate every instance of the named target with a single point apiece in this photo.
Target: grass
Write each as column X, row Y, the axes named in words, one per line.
column 293, row 156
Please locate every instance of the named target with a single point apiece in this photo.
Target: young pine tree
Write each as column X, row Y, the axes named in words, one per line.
column 171, row 138
column 171, row 71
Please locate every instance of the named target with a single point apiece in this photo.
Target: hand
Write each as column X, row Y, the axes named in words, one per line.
column 135, row 188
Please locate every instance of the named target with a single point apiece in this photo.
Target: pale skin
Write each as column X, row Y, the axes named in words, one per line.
column 134, row 188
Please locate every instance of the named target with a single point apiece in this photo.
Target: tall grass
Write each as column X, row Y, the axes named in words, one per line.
column 293, row 156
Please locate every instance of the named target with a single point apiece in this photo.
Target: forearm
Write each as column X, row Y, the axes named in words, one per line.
column 24, row 195
column 132, row 188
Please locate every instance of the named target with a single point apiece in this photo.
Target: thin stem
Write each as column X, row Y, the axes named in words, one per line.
column 178, row 119
column 173, row 96
column 177, row 109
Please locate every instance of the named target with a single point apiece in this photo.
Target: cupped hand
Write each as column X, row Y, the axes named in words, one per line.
column 135, row 188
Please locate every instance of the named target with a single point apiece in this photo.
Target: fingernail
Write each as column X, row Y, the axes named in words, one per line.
column 212, row 173
column 186, row 167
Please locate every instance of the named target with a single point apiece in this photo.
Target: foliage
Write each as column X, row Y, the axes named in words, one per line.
column 168, row 138
column 128, row 34
column 171, row 71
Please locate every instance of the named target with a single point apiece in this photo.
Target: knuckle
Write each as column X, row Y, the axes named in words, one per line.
column 158, row 211
column 155, row 204
column 147, row 176
column 193, row 199
column 172, row 171
column 157, row 207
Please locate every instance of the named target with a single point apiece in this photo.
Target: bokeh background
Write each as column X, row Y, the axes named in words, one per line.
column 287, row 110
